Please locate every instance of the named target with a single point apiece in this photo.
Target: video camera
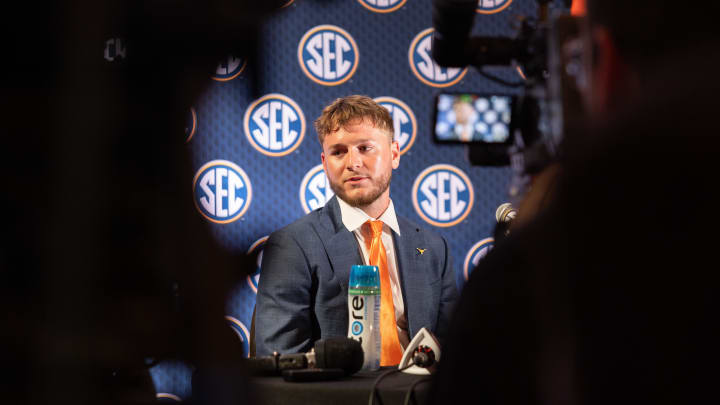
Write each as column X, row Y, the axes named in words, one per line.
column 524, row 130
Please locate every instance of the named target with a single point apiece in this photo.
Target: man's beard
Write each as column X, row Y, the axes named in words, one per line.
column 364, row 199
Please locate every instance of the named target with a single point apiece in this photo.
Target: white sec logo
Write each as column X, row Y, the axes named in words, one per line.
column 315, row 189
column 442, row 195
column 256, row 252
column 221, row 191
column 425, row 68
column 403, row 121
column 492, row 6
column 274, row 124
column 328, row 55
column 242, row 333
column 190, row 125
column 382, row 6
column 229, row 68
column 475, row 254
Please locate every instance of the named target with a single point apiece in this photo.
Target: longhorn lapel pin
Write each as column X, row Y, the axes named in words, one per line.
column 421, row 250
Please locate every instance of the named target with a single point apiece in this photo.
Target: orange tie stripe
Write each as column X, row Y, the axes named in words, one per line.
column 391, row 350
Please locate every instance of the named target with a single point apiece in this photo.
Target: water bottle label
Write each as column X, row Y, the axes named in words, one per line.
column 364, row 325
column 364, row 291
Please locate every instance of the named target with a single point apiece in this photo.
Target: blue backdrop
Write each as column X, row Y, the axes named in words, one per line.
column 257, row 160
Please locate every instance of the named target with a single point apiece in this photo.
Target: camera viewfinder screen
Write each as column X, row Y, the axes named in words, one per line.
column 473, row 118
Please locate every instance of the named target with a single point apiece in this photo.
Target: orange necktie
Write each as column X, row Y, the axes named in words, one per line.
column 391, row 352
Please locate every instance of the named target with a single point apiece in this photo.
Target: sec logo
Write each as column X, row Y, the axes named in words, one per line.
column 256, row 251
column 166, row 397
column 475, row 254
column 315, row 189
column 492, row 6
column 274, row 125
column 425, row 68
column 328, row 55
column 382, row 6
column 229, row 69
column 403, row 121
column 222, row 191
column 241, row 332
column 190, row 125
column 442, row 195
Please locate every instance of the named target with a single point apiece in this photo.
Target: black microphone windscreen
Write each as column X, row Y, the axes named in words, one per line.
column 452, row 21
column 262, row 366
column 454, row 18
column 340, row 352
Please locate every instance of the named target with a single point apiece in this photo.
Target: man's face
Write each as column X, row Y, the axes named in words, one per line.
column 463, row 111
column 358, row 161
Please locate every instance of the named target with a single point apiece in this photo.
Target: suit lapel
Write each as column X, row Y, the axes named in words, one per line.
column 340, row 244
column 413, row 287
column 343, row 252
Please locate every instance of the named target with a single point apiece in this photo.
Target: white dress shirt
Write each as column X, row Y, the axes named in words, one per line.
column 353, row 218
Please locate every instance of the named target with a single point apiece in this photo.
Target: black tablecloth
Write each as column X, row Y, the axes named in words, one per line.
column 346, row 391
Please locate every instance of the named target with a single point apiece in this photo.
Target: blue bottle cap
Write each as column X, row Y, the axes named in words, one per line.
column 364, row 276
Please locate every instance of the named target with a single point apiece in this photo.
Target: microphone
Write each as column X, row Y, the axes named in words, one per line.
column 329, row 358
column 424, row 356
column 452, row 45
column 421, row 355
column 452, row 21
column 505, row 213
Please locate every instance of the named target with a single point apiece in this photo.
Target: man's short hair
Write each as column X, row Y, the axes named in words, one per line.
column 346, row 110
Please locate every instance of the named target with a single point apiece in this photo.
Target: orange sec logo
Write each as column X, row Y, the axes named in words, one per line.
column 475, row 254
column 425, row 68
column 492, row 6
column 404, row 121
column 382, row 6
column 274, row 125
column 443, row 195
column 328, row 55
column 222, row 191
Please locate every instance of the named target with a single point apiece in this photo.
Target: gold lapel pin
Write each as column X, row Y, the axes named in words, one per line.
column 421, row 250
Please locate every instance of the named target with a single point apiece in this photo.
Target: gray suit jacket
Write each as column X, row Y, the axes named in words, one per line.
column 302, row 294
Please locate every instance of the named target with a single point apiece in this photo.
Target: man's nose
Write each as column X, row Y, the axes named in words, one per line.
column 353, row 159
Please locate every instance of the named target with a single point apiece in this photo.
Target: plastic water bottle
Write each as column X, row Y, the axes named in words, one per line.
column 364, row 312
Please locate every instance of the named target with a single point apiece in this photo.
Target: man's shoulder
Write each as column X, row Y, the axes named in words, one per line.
column 303, row 225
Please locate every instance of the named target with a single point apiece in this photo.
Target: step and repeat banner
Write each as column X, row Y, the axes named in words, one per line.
column 257, row 160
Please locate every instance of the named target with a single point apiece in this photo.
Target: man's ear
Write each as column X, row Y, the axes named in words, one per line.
column 395, row 151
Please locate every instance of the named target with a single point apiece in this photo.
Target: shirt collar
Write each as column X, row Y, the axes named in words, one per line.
column 353, row 217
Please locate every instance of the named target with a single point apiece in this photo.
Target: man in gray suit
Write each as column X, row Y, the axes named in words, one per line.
column 302, row 295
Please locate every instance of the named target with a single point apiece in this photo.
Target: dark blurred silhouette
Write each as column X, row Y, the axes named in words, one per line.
column 609, row 294
column 105, row 262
